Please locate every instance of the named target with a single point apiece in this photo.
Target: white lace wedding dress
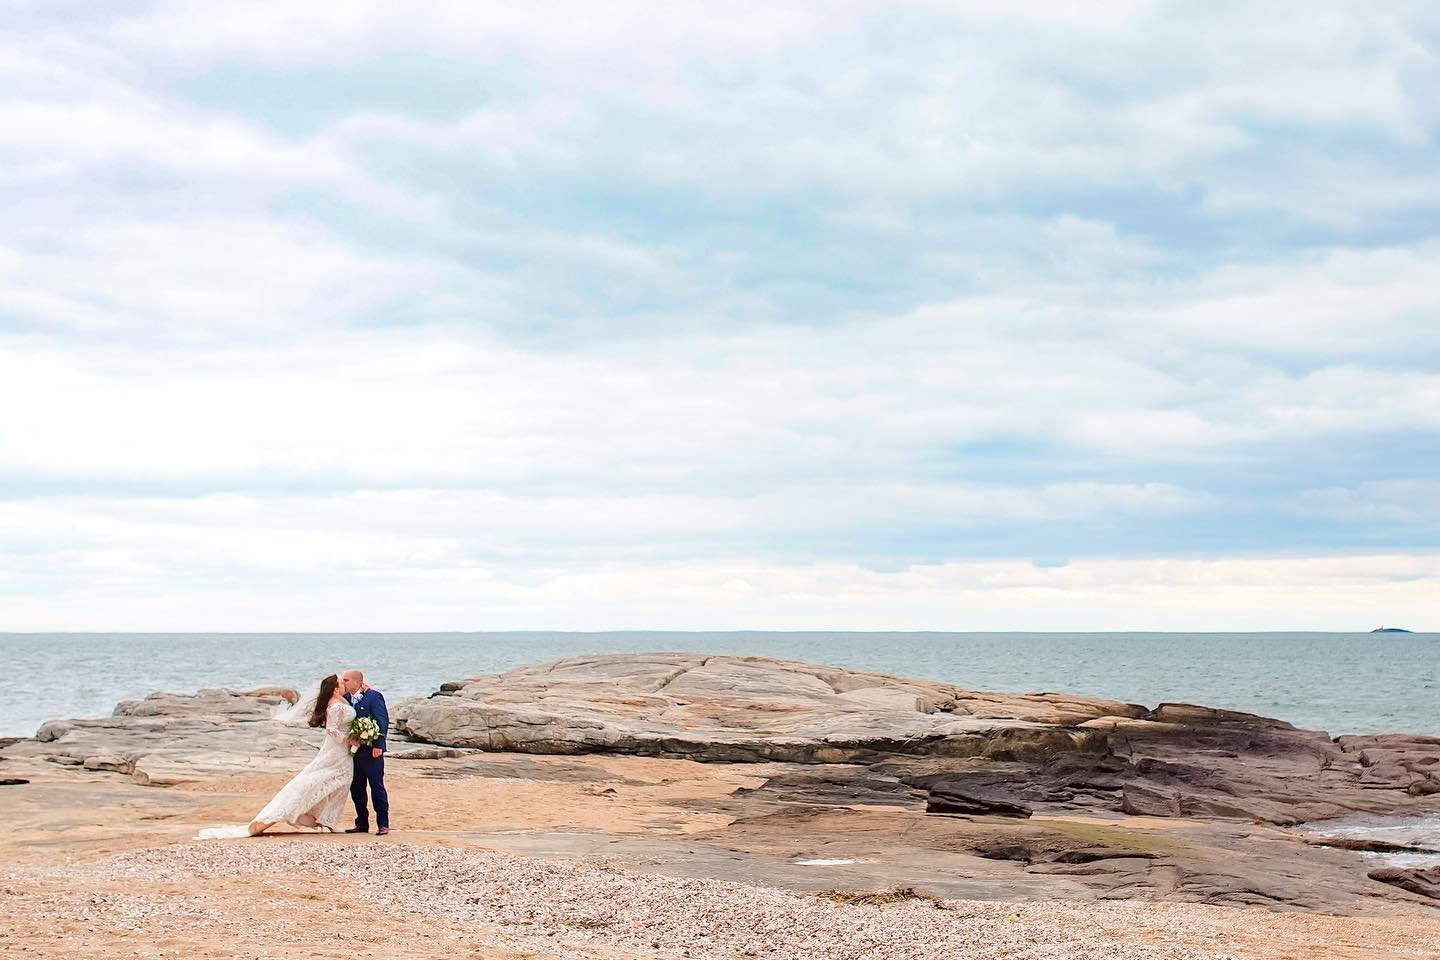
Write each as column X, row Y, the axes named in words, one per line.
column 316, row 795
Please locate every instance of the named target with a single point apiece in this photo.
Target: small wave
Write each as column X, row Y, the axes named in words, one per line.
column 1411, row 831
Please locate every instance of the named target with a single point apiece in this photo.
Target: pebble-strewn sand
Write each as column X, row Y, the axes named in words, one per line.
column 548, row 908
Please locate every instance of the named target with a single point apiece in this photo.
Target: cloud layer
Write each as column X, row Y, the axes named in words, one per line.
column 461, row 317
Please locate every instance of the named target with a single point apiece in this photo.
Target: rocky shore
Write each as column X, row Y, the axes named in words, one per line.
column 624, row 805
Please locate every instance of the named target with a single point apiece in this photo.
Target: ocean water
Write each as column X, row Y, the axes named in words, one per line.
column 1339, row 682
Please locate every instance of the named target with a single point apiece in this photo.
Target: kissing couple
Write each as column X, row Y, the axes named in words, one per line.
column 351, row 757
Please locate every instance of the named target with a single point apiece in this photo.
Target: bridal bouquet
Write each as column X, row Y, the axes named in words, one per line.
column 364, row 731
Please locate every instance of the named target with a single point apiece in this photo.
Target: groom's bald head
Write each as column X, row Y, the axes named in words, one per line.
column 352, row 680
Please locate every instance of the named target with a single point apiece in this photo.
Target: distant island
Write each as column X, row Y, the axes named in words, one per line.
column 1391, row 630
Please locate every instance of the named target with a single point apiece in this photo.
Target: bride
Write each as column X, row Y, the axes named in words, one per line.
column 316, row 796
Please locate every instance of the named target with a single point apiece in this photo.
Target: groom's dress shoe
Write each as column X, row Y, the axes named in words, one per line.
column 358, row 830
column 382, row 831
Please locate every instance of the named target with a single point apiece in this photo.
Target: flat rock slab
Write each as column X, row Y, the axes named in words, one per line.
column 170, row 738
column 742, row 709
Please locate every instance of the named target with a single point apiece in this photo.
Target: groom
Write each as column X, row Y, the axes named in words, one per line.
column 369, row 761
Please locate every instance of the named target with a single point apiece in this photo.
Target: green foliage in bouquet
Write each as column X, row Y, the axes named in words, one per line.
column 364, row 731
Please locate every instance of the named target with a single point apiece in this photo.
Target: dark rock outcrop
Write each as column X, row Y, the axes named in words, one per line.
column 1407, row 761
column 949, row 797
column 1187, row 761
column 1423, row 883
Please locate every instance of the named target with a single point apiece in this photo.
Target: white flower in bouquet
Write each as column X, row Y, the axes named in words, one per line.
column 364, row 731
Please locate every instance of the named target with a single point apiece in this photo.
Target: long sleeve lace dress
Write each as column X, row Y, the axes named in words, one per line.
column 316, row 795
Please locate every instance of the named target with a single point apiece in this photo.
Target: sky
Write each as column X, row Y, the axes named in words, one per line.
column 955, row 316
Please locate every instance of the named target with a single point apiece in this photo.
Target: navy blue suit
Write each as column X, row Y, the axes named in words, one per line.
column 370, row 769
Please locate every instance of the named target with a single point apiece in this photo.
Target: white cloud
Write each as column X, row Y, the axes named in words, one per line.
column 1339, row 592
column 674, row 318
column 1381, row 502
column 908, row 103
column 393, row 408
column 229, row 279
column 1339, row 305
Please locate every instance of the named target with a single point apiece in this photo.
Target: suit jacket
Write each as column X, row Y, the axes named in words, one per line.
column 371, row 704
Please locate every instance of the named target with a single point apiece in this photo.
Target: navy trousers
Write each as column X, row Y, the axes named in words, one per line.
column 369, row 771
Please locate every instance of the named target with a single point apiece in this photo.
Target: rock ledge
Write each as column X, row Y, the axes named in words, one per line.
column 743, row 709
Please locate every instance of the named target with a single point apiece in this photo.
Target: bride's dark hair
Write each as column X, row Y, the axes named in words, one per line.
column 322, row 700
